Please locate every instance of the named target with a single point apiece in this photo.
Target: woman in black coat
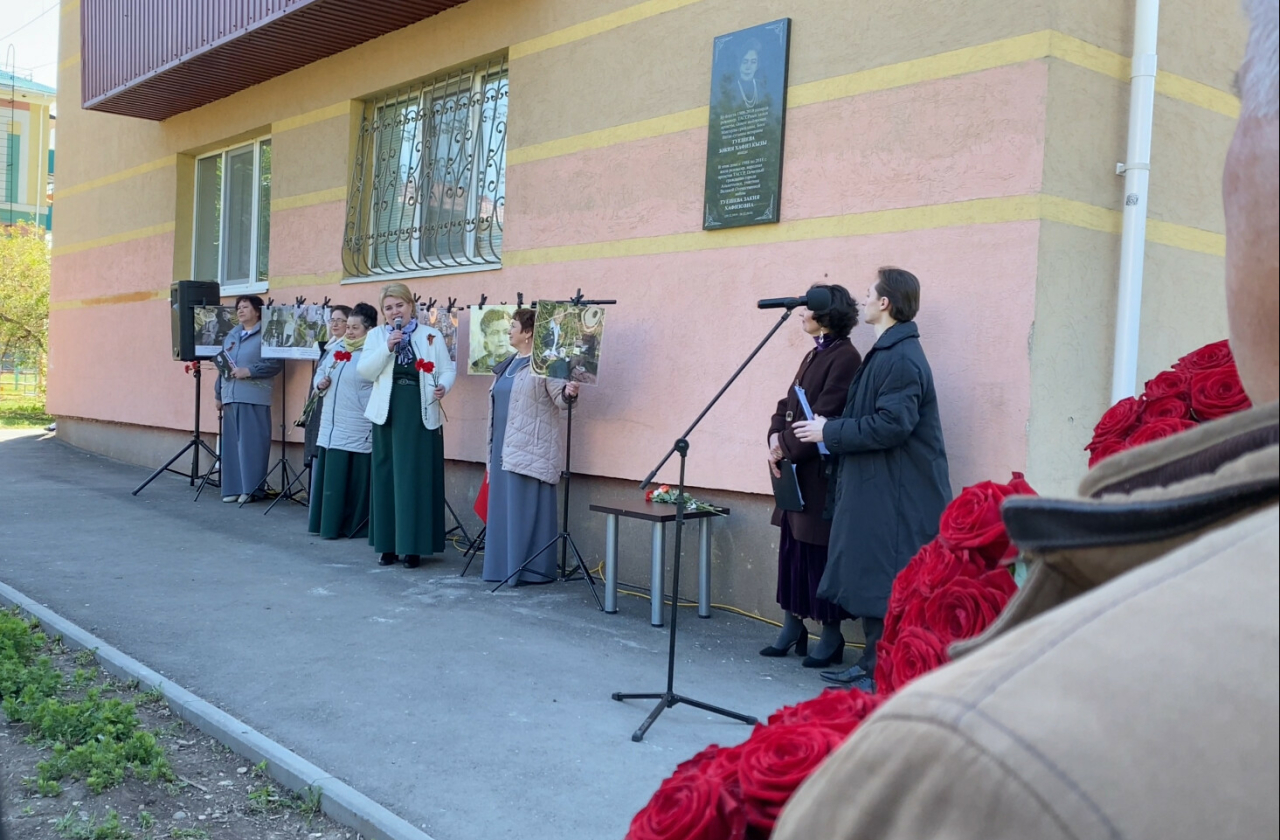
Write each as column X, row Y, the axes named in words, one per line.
column 824, row 376
column 891, row 481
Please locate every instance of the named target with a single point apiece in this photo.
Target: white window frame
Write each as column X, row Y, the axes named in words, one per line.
column 253, row 286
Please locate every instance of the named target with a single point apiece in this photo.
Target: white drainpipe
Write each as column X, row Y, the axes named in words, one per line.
column 1137, row 174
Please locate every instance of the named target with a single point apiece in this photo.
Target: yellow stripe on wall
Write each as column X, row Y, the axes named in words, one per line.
column 293, row 202
column 340, row 109
column 116, row 239
column 63, row 192
column 596, row 26
column 69, row 7
column 294, row 281
column 67, row 62
column 110, row 300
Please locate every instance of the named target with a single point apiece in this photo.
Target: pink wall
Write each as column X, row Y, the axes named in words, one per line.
column 683, row 320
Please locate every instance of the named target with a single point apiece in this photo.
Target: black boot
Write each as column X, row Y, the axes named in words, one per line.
column 830, row 649
column 793, row 634
column 412, row 561
column 387, row 559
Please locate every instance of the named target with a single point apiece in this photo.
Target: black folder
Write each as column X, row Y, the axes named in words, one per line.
column 786, row 488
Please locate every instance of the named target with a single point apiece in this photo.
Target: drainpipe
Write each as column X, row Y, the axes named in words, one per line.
column 1137, row 174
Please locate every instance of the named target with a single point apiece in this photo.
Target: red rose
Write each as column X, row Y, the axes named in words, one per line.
column 715, row 761
column 685, row 807
column 836, row 709
column 917, row 651
column 1105, row 450
column 1157, row 429
column 1119, row 421
column 775, row 760
column 1169, row 383
column 1167, row 408
column 1217, row 393
column 972, row 520
column 940, row 565
column 966, row 607
column 1207, row 357
column 885, row 684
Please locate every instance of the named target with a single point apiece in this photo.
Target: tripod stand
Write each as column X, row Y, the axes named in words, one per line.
column 288, row 475
column 195, row 445
column 668, row 697
column 564, row 538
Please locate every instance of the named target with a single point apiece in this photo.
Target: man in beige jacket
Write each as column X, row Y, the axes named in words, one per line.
column 1131, row 689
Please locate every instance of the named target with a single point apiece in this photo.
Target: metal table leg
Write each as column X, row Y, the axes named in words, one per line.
column 611, row 563
column 704, row 568
column 657, row 586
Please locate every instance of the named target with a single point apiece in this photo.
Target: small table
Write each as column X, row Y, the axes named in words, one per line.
column 659, row 514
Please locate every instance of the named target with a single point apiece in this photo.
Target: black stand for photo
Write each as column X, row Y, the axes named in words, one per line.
column 194, row 446
column 214, row 467
column 288, row 475
column 564, row 538
column 668, row 697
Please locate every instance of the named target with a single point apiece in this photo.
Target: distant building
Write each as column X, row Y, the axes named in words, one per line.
column 26, row 151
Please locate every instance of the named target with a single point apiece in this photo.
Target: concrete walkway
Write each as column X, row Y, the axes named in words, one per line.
column 473, row 716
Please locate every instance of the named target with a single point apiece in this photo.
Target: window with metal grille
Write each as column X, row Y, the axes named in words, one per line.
column 428, row 185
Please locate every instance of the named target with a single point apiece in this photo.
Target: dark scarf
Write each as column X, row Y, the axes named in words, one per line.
column 404, row 350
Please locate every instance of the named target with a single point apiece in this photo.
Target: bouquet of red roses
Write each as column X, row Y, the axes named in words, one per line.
column 1203, row 385
column 952, row 589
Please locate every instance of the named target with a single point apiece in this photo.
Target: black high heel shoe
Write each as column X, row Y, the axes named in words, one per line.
column 836, row 658
column 801, row 644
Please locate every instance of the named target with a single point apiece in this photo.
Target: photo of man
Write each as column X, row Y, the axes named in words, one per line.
column 489, row 341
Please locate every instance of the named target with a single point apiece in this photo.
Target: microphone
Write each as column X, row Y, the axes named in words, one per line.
column 399, row 323
column 815, row 300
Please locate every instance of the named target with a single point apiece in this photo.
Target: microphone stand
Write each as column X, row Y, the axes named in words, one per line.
column 668, row 697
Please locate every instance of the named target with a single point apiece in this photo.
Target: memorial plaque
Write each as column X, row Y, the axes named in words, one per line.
column 744, row 137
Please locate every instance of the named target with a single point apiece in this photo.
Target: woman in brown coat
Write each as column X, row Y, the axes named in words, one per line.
column 824, row 376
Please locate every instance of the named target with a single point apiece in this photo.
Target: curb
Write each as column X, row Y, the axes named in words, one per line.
column 340, row 801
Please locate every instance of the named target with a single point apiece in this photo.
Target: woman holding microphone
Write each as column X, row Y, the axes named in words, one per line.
column 411, row 371
column 340, row 473
column 824, row 376
column 526, row 455
column 245, row 402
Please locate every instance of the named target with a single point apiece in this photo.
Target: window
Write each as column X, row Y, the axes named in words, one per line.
column 232, row 222
column 428, row 186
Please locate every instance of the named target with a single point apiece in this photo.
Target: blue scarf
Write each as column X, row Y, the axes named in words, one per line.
column 404, row 351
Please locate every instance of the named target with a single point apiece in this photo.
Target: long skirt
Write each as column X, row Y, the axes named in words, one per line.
column 800, row 568
column 246, row 447
column 522, row 520
column 406, row 493
column 339, row 503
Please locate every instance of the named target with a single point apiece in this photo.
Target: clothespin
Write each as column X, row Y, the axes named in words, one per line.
column 520, row 299
column 453, row 303
column 431, row 302
column 326, row 301
column 271, row 301
column 576, row 300
column 483, row 298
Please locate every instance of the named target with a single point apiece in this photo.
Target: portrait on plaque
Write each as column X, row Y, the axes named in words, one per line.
column 213, row 323
column 566, row 341
column 489, row 341
column 744, row 137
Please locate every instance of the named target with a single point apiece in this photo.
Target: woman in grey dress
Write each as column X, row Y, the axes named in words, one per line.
column 245, row 402
column 526, row 455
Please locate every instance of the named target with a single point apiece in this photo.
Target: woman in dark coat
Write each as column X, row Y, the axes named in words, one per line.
column 891, row 481
column 824, row 376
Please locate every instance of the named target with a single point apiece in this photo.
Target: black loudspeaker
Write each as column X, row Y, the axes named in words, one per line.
column 184, row 296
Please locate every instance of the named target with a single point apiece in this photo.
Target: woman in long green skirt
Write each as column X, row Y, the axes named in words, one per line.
column 411, row 371
column 340, row 470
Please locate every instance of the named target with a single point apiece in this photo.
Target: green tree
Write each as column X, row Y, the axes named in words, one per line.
column 24, row 291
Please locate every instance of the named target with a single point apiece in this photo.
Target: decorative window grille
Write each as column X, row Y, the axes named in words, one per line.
column 428, row 186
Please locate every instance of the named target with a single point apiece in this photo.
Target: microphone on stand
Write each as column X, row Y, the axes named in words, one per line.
column 815, row 300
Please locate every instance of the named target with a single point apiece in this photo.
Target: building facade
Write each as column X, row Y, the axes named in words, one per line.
column 974, row 143
column 26, row 151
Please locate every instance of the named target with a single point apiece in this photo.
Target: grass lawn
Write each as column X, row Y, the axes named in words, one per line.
column 23, row 413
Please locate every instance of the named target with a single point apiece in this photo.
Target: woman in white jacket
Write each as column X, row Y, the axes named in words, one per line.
column 340, row 472
column 411, row 371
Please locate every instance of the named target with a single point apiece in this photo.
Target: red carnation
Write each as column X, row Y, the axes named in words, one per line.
column 425, row 366
column 685, row 807
column 1217, row 393
column 1167, row 408
column 967, row 606
column 1206, row 358
column 972, row 520
column 836, row 709
column 775, row 760
column 1169, row 383
column 1158, row 429
column 1118, row 423
column 917, row 651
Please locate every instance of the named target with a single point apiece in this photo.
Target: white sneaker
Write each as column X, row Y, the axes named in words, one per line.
column 244, row 497
column 229, row 499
